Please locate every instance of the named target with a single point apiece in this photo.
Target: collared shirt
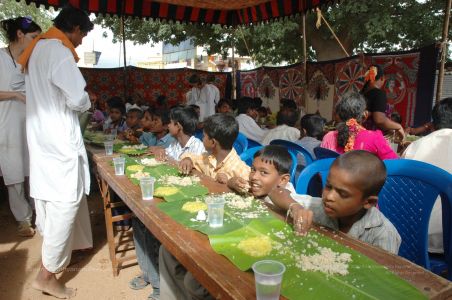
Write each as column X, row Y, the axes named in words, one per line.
column 282, row 132
column 149, row 139
column 309, row 143
column 373, row 228
column 194, row 146
column 249, row 128
column 435, row 149
column 231, row 165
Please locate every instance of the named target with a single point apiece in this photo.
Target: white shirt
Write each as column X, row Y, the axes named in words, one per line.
column 282, row 132
column 435, row 149
column 204, row 98
column 194, row 145
column 55, row 93
column 250, row 129
column 215, row 92
column 13, row 143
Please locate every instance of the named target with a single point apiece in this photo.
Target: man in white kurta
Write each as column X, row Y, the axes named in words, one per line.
column 201, row 95
column 13, row 144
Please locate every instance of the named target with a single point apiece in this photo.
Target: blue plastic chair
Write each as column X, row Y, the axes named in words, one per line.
column 248, row 155
column 321, row 167
column 199, row 133
column 253, row 143
column 407, row 199
column 240, row 143
column 322, row 153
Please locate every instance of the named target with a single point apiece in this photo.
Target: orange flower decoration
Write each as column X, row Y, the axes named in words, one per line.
column 371, row 74
column 353, row 129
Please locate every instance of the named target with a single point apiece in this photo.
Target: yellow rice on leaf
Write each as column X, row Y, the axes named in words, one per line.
column 256, row 246
column 165, row 191
column 194, row 206
column 135, row 168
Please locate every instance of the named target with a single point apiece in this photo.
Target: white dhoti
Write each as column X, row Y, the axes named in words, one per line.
column 20, row 207
column 64, row 226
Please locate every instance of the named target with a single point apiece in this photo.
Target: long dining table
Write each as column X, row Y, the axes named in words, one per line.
column 214, row 271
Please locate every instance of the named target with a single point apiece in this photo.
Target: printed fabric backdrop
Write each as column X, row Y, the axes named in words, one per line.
column 409, row 85
column 148, row 83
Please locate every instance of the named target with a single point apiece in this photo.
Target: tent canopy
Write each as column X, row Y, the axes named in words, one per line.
column 228, row 13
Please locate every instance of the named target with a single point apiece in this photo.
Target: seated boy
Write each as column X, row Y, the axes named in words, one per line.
column 133, row 118
column 221, row 161
column 348, row 202
column 155, row 128
column 116, row 111
column 182, row 126
column 285, row 127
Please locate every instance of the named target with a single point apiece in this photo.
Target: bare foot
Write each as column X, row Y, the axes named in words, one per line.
column 53, row 287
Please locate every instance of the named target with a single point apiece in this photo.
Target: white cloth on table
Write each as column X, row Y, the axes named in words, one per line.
column 250, row 129
column 13, row 144
column 194, row 145
column 204, row 98
column 59, row 173
column 435, row 149
column 281, row 132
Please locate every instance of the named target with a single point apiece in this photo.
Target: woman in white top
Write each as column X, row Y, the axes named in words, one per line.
column 13, row 145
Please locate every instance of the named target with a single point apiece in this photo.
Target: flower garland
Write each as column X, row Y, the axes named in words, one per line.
column 371, row 74
column 353, row 129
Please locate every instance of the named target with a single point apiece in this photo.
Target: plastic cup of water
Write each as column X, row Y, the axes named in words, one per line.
column 215, row 210
column 114, row 132
column 147, row 188
column 108, row 147
column 109, row 137
column 268, row 275
column 119, row 163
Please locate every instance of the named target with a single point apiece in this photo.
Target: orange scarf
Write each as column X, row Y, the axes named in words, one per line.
column 52, row 33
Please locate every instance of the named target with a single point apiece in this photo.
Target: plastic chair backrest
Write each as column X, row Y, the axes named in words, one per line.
column 321, row 166
column 199, row 133
column 321, row 153
column 248, row 155
column 407, row 199
column 253, row 143
column 240, row 143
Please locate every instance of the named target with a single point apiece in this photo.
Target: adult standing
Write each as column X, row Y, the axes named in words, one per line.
column 13, row 145
column 59, row 174
column 214, row 92
column 377, row 102
column 201, row 95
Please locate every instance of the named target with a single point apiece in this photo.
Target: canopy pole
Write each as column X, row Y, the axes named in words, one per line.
column 321, row 17
column 123, row 33
column 234, row 92
column 305, row 64
column 439, row 86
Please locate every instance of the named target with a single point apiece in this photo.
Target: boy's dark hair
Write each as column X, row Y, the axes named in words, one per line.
column 351, row 106
column 223, row 128
column 224, row 101
column 288, row 103
column 368, row 170
column 71, row 17
column 263, row 110
column 244, row 104
column 210, row 78
column 278, row 156
column 313, row 124
column 286, row 116
column 24, row 24
column 194, row 79
column 116, row 102
column 186, row 117
column 442, row 114
column 138, row 111
column 257, row 102
column 163, row 114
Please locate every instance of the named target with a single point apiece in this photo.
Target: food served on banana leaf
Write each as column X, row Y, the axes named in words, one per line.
column 327, row 261
column 194, row 206
column 133, row 149
column 163, row 191
column 138, row 175
column 256, row 246
column 150, row 162
column 177, row 180
column 135, row 168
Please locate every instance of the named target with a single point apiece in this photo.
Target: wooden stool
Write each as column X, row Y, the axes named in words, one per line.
column 119, row 242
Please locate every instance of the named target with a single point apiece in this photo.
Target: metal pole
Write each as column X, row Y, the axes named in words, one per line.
column 439, row 86
column 123, row 33
column 233, row 70
column 305, row 63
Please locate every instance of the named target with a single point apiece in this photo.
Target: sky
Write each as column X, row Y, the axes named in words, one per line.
column 112, row 56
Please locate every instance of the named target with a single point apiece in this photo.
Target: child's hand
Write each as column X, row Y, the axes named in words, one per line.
column 239, row 184
column 185, row 166
column 160, row 154
column 222, row 178
column 302, row 219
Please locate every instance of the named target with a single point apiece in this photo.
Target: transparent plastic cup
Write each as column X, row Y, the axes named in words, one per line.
column 114, row 132
column 108, row 147
column 109, row 137
column 215, row 211
column 268, row 275
column 147, row 188
column 119, row 163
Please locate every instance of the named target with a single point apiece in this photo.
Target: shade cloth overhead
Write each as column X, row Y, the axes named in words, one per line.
column 229, row 13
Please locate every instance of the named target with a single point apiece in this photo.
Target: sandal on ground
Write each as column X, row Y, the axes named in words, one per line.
column 25, row 229
column 138, row 283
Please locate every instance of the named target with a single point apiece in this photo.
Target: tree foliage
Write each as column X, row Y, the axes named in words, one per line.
column 13, row 9
column 362, row 26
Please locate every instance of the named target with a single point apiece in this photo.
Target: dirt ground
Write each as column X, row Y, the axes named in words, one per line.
column 92, row 275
